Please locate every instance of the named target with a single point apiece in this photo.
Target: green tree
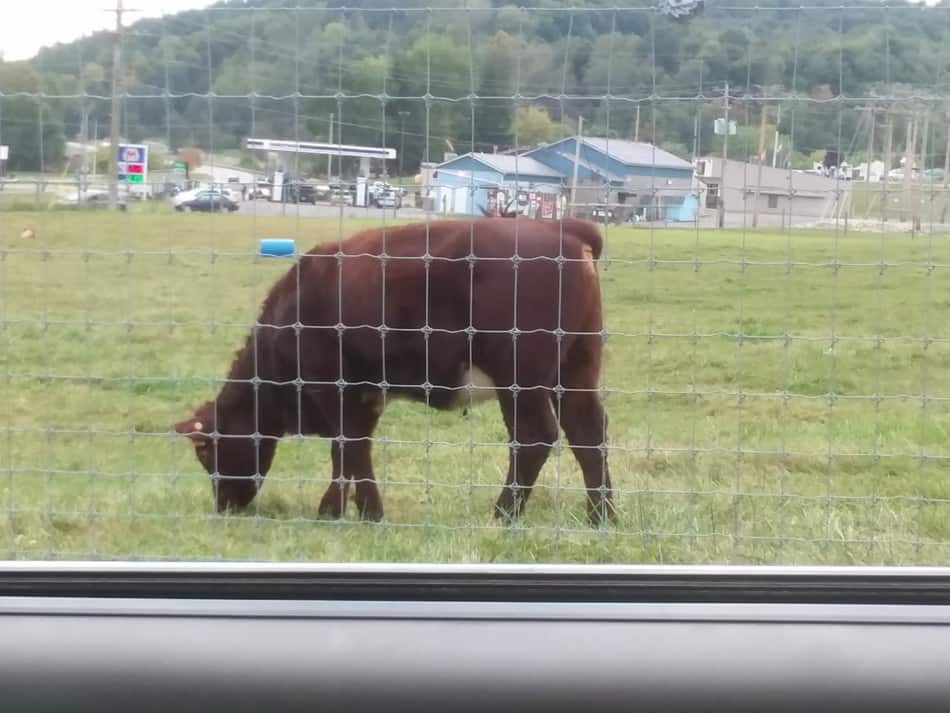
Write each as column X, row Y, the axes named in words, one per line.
column 675, row 70
column 493, row 116
column 30, row 125
column 434, row 76
column 533, row 125
column 34, row 134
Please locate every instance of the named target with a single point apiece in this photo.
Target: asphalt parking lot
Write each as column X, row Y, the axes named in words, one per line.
column 326, row 210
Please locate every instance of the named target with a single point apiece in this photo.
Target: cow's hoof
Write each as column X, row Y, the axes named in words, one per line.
column 371, row 513
column 509, row 506
column 371, row 510
column 600, row 509
column 333, row 503
column 369, row 505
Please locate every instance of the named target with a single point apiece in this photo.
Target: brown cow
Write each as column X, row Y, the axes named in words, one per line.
column 445, row 313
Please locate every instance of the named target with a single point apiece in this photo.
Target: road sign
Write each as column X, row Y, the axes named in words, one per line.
column 4, row 153
column 719, row 127
column 132, row 154
column 133, row 163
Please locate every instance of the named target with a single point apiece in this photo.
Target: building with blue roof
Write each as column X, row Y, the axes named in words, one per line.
column 633, row 178
column 469, row 184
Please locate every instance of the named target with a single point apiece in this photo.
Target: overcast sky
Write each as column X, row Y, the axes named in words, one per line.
column 27, row 25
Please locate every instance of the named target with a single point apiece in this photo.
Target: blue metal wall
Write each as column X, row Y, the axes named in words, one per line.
column 563, row 164
column 474, row 187
column 466, row 194
column 560, row 157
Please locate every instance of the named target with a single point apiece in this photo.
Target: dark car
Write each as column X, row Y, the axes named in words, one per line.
column 300, row 193
column 207, row 202
column 168, row 190
column 602, row 214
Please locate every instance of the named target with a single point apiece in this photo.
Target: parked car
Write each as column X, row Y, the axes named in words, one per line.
column 91, row 199
column 261, row 189
column 186, row 195
column 207, row 202
column 602, row 214
column 168, row 190
column 389, row 199
column 341, row 197
column 374, row 189
column 300, row 193
column 234, row 193
column 323, row 191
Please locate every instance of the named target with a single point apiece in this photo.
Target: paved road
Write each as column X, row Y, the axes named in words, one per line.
column 29, row 187
column 325, row 210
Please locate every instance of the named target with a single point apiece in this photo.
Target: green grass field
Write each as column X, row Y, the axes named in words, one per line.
column 740, row 431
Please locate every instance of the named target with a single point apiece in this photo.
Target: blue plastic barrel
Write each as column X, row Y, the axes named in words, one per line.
column 277, row 247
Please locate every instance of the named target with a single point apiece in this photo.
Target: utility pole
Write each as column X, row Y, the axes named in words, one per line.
column 402, row 138
column 330, row 155
column 577, row 158
column 116, row 107
column 761, row 160
column 695, row 138
column 924, row 147
column 888, row 147
column 924, row 135
column 95, row 145
column 909, row 154
column 81, row 176
column 946, row 172
column 870, row 154
column 636, row 125
column 778, row 120
column 725, row 160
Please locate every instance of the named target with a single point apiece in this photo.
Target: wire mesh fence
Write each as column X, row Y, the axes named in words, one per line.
column 769, row 189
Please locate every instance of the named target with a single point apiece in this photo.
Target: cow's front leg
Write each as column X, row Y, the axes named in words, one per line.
column 333, row 502
column 352, row 461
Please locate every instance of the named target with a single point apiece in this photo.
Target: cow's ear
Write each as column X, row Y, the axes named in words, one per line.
column 194, row 430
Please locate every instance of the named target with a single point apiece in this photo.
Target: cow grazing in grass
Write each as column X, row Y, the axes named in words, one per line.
column 445, row 313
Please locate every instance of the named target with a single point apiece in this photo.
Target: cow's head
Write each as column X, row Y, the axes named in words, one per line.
column 236, row 458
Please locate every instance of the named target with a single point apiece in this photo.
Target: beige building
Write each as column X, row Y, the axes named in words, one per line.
column 779, row 198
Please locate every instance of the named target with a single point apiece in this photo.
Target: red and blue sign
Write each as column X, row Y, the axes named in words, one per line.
column 133, row 163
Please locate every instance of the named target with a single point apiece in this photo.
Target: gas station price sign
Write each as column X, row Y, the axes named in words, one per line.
column 133, row 163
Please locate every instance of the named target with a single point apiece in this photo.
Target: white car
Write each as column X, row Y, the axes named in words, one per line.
column 389, row 199
column 183, row 196
column 190, row 194
column 259, row 190
column 91, row 198
column 337, row 197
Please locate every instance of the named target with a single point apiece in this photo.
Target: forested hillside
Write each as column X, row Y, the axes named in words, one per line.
column 212, row 78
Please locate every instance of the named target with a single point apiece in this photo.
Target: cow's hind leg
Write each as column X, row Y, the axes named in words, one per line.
column 584, row 421
column 532, row 430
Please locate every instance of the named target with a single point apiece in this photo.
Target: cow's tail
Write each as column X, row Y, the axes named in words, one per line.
column 585, row 231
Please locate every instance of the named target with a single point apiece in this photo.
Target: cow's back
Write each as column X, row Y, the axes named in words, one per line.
column 435, row 298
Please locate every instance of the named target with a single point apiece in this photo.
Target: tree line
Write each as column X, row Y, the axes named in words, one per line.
column 486, row 76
